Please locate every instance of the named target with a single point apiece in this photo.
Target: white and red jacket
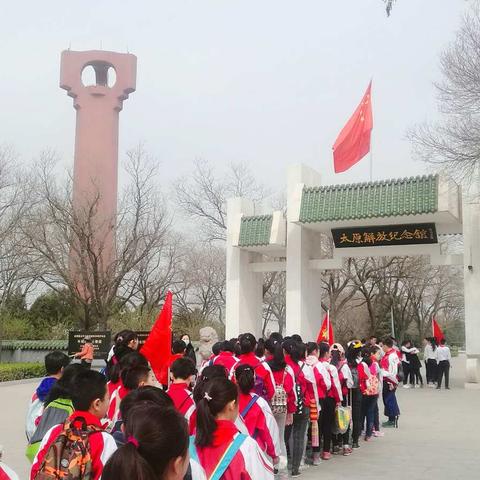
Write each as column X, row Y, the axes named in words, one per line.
column 249, row 463
column 335, row 391
column 389, row 365
column 118, row 395
column 345, row 377
column 286, row 376
column 182, row 399
column 102, row 445
column 261, row 370
column 261, row 424
column 225, row 359
column 323, row 379
column 7, row 473
column 111, row 386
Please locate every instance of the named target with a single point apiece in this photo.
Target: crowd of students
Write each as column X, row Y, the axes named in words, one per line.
column 253, row 409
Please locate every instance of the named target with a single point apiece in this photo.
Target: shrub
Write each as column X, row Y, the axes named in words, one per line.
column 19, row 371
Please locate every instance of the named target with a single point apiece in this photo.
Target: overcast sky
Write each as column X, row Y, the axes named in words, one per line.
column 265, row 82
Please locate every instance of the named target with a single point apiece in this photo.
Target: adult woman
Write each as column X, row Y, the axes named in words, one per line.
column 190, row 350
column 156, row 447
column 430, row 361
column 217, row 437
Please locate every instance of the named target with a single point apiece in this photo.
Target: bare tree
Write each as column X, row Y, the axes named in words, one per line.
column 203, row 195
column 453, row 143
column 67, row 250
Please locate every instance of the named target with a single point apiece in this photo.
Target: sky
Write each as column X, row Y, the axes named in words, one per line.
column 266, row 82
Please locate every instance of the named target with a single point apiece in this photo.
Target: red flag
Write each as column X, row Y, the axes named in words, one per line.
column 437, row 331
column 353, row 142
column 326, row 331
column 158, row 346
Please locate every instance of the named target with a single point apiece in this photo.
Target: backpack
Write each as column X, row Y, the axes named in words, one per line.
column 300, row 398
column 372, row 386
column 279, row 399
column 68, row 457
column 225, row 459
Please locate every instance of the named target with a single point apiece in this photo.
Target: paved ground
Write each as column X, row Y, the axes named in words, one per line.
column 438, row 437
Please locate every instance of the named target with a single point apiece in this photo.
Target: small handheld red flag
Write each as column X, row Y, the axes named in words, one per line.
column 353, row 142
column 157, row 349
column 437, row 331
column 326, row 331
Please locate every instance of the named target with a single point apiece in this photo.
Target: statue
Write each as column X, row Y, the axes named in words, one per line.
column 208, row 336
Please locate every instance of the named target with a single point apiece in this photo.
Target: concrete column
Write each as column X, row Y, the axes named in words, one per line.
column 471, row 238
column 244, row 294
column 303, row 302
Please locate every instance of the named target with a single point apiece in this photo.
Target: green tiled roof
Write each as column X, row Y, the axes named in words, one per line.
column 407, row 196
column 35, row 344
column 255, row 231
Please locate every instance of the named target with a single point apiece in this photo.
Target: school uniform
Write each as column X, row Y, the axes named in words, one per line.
column 102, row 445
column 430, row 364
column 6, row 473
column 118, row 395
column 36, row 406
column 366, row 375
column 443, row 358
column 182, row 399
column 261, row 369
column 260, row 422
column 285, row 377
column 225, row 359
column 248, row 462
column 389, row 366
column 346, row 382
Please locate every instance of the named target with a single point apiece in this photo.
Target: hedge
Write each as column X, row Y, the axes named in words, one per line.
column 19, row 371
column 35, row 344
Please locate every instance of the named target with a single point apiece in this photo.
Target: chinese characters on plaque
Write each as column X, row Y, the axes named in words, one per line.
column 379, row 236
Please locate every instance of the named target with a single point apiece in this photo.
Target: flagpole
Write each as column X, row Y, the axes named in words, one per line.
column 328, row 325
column 393, row 323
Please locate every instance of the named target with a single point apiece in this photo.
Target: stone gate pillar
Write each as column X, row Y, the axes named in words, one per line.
column 304, row 309
column 244, row 287
column 471, row 256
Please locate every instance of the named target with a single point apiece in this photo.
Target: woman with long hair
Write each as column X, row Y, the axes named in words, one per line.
column 221, row 450
column 430, row 361
column 156, row 446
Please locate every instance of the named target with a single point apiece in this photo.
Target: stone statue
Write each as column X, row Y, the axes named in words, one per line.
column 208, row 336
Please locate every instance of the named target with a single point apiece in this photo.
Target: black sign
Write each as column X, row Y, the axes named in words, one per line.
column 101, row 343
column 380, row 236
column 142, row 337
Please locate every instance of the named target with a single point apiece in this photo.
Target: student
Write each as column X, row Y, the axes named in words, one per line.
column 131, row 378
column 430, row 361
column 337, row 359
column 90, row 400
column 86, row 354
column 6, row 473
column 126, row 342
column 295, row 354
column 55, row 362
column 183, row 373
column 389, row 366
column 368, row 381
column 416, row 379
column 226, row 356
column 353, row 357
column 334, row 397
column 140, row 396
column 405, row 349
column 376, row 356
column 58, row 407
column 443, row 357
column 264, row 378
column 217, row 437
column 256, row 414
column 128, row 361
column 283, row 401
column 156, row 447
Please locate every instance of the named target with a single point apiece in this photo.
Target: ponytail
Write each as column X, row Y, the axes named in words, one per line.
column 218, row 393
column 155, row 436
column 245, row 377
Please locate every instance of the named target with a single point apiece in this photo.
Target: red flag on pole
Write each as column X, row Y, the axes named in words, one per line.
column 353, row 142
column 326, row 331
column 157, row 349
column 437, row 331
